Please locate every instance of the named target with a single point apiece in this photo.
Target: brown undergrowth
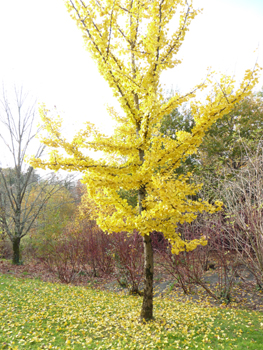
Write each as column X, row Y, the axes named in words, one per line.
column 245, row 293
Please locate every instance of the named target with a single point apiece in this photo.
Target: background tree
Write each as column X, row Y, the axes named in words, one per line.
column 132, row 44
column 180, row 121
column 54, row 217
column 223, row 150
column 224, row 145
column 23, row 193
column 227, row 139
column 224, row 142
column 242, row 192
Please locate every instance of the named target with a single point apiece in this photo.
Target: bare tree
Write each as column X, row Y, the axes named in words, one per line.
column 242, row 193
column 23, row 193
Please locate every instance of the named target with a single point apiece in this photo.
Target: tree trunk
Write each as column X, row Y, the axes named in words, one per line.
column 147, row 305
column 16, row 251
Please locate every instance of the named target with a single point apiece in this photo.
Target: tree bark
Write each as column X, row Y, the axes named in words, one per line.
column 16, row 251
column 147, row 305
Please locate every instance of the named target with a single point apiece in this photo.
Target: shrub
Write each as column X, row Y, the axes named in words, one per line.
column 96, row 249
column 127, row 252
column 188, row 268
column 243, row 196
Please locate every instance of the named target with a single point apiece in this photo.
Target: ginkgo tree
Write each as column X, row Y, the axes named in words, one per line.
column 133, row 42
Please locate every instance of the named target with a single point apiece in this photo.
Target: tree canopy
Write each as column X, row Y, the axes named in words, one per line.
column 133, row 43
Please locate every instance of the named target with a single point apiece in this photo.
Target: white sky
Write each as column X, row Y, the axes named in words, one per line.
column 42, row 48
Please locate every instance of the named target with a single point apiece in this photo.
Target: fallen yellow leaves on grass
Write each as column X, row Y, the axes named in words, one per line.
column 37, row 315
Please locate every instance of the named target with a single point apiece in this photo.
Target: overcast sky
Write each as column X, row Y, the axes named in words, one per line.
column 42, row 48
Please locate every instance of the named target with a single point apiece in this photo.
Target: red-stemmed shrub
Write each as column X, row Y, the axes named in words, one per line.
column 127, row 251
column 96, row 249
column 189, row 268
column 63, row 258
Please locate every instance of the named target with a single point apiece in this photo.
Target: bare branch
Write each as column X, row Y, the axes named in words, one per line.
column 23, row 194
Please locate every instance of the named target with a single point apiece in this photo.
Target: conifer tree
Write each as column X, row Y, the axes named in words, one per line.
column 133, row 42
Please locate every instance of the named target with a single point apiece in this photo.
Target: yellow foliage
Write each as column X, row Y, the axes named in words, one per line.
column 132, row 44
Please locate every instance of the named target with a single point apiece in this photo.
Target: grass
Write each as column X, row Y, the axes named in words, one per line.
column 38, row 315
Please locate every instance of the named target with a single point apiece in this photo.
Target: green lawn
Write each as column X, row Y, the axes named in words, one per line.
column 38, row 315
